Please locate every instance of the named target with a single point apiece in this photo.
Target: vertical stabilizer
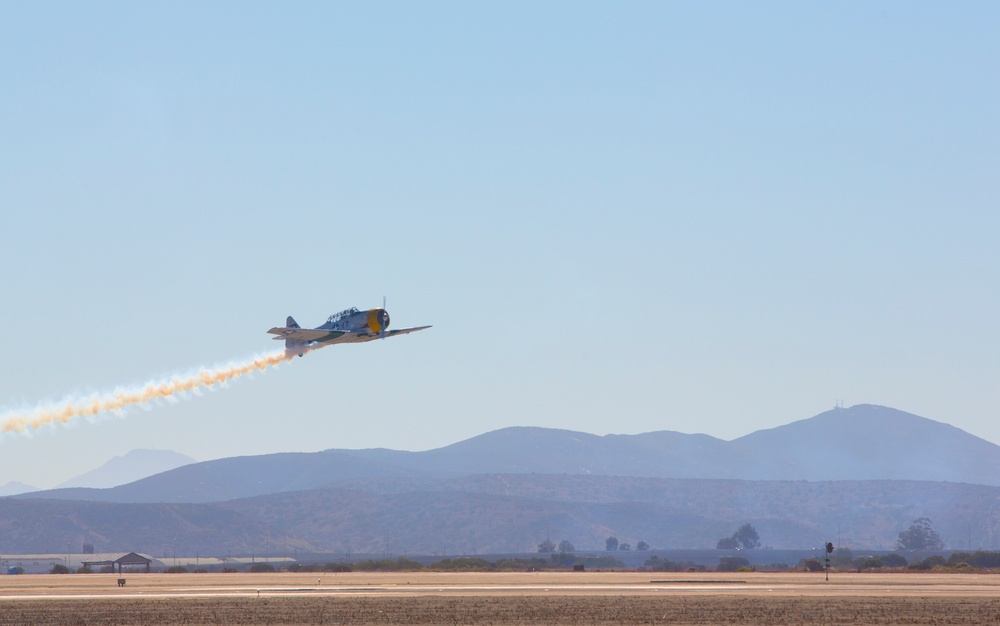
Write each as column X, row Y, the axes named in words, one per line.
column 294, row 345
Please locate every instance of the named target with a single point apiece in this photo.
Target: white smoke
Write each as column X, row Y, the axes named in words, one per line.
column 120, row 399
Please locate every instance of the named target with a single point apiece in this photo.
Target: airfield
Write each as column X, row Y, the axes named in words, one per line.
column 502, row 598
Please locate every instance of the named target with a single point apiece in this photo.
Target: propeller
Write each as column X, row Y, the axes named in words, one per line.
column 384, row 322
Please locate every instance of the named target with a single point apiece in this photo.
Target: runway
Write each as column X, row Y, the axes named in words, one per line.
column 481, row 598
column 91, row 586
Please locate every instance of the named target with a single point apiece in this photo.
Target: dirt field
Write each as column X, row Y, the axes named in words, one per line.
column 501, row 598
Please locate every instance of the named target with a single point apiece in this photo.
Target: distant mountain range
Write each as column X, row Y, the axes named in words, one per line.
column 864, row 471
column 864, row 442
column 14, row 487
column 129, row 467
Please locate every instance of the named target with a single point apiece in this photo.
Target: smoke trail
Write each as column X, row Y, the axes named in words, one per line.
column 120, row 399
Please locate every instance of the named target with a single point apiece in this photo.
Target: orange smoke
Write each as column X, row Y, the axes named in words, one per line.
column 121, row 399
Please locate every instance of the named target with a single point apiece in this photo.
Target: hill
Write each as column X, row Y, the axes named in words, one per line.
column 13, row 488
column 861, row 473
column 129, row 467
column 867, row 442
column 235, row 477
column 513, row 513
column 864, row 442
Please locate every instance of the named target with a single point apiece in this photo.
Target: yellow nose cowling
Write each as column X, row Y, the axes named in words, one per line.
column 378, row 320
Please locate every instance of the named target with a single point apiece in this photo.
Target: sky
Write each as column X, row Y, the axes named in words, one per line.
column 618, row 217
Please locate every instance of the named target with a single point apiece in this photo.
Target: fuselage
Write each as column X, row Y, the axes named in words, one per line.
column 363, row 323
column 348, row 326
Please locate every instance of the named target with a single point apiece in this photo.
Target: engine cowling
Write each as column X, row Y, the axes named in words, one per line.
column 378, row 320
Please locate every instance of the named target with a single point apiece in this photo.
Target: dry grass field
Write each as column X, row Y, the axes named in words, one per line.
column 502, row 598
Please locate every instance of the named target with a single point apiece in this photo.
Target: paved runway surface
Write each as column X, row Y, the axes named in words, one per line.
column 82, row 586
column 502, row 598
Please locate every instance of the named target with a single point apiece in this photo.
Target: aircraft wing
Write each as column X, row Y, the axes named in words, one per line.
column 403, row 331
column 363, row 337
column 305, row 334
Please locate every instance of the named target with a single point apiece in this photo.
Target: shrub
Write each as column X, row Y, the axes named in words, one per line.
column 732, row 564
column 385, row 565
column 983, row 559
column 868, row 562
column 656, row 564
column 176, row 569
column 600, row 562
column 83, row 569
column 465, row 564
column 776, row 567
column 261, row 567
column 929, row 563
column 332, row 567
column 59, row 569
column 521, row 565
column 811, row 565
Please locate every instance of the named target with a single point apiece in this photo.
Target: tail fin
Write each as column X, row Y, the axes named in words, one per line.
column 293, row 345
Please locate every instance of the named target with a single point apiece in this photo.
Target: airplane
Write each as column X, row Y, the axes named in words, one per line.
column 348, row 326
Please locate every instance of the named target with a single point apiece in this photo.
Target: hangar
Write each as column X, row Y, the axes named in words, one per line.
column 129, row 560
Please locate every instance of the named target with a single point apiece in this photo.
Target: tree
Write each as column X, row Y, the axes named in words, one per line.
column 919, row 536
column 747, row 536
column 611, row 544
column 642, row 545
column 547, row 546
column 727, row 543
column 625, row 546
column 566, row 546
column 843, row 558
column 59, row 568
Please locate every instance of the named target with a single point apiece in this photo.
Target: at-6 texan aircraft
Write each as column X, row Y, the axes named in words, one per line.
column 348, row 326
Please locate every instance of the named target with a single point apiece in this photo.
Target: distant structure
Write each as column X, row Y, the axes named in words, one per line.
column 129, row 560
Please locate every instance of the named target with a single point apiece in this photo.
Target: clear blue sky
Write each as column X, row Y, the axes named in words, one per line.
column 619, row 217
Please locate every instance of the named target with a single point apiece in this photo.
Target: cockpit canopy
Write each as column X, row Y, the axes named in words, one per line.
column 336, row 317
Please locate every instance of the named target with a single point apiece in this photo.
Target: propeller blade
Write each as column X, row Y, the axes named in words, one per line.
column 385, row 317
